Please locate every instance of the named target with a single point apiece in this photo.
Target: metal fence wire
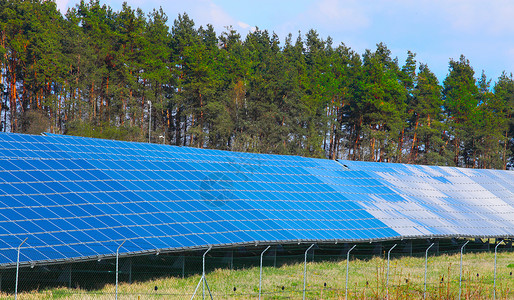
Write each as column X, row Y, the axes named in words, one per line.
column 388, row 270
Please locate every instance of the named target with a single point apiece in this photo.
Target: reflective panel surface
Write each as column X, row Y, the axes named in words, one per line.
column 80, row 198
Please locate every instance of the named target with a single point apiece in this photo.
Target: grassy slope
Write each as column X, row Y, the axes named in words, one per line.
column 367, row 280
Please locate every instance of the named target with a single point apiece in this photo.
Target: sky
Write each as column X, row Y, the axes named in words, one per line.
column 436, row 30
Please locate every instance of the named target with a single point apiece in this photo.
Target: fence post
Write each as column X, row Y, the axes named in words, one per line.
column 203, row 271
column 275, row 257
column 347, row 267
column 232, row 260
column 387, row 278
column 494, row 280
column 130, row 270
column 183, row 266
column 260, row 272
column 202, row 279
column 117, row 256
column 460, row 277
column 69, row 277
column 18, row 270
column 305, row 270
column 426, row 266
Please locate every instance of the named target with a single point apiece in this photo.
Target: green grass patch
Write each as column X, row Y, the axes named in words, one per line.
column 325, row 280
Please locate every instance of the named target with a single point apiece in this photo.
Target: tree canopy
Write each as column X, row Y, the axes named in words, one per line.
column 94, row 72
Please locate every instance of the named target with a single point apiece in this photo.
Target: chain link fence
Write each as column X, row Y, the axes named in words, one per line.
column 236, row 274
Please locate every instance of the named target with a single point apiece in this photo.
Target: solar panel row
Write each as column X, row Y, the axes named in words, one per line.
column 79, row 198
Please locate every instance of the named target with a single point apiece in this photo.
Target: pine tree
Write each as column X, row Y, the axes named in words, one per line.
column 426, row 123
column 384, row 105
column 460, row 103
column 504, row 92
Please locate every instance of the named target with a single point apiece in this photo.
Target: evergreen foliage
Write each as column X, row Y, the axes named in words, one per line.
column 93, row 72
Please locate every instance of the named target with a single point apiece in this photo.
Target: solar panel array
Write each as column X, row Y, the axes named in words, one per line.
column 79, row 198
column 442, row 201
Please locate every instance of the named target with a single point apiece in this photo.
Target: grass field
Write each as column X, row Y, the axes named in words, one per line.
column 326, row 280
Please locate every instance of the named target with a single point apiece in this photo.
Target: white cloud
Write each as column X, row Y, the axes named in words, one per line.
column 243, row 25
column 207, row 12
column 62, row 5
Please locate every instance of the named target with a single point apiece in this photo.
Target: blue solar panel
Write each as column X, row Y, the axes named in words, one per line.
column 79, row 198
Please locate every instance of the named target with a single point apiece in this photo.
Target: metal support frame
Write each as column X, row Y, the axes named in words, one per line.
column 305, row 270
column 260, row 271
column 460, row 277
column 117, row 265
column 494, row 280
column 347, row 268
column 18, row 270
column 387, row 277
column 202, row 279
column 426, row 267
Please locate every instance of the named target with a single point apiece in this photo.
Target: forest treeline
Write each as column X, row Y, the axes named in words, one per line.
column 94, row 71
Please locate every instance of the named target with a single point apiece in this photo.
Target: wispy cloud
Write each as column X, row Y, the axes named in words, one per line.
column 62, row 5
column 210, row 13
column 245, row 26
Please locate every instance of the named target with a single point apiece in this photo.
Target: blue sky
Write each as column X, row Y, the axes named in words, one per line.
column 436, row 30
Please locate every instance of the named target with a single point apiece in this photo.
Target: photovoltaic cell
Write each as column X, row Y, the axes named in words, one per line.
column 80, row 198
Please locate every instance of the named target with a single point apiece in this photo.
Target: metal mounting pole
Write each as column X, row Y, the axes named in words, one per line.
column 426, row 266
column 18, row 270
column 387, row 278
column 494, row 280
column 347, row 267
column 460, row 277
column 260, row 272
column 117, row 256
column 305, row 270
